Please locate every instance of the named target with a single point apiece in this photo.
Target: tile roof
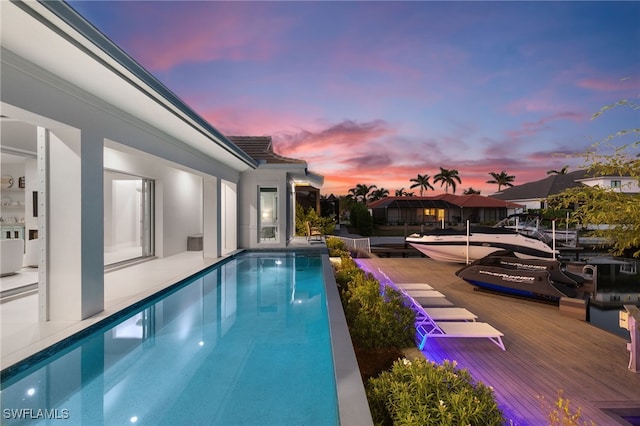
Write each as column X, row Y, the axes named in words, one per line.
column 260, row 148
column 443, row 201
column 542, row 189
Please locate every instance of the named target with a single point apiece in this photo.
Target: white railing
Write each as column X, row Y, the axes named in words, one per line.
column 357, row 244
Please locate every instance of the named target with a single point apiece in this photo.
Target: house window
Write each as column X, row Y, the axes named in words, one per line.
column 616, row 184
column 268, row 220
column 433, row 215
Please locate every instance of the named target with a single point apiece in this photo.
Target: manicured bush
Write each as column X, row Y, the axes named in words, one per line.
column 336, row 247
column 375, row 319
column 421, row 392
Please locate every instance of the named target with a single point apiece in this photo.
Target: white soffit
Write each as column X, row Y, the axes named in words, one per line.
column 106, row 78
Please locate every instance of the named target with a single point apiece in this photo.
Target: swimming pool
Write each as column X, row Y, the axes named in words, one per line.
column 247, row 342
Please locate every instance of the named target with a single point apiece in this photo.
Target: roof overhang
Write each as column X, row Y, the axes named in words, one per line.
column 51, row 35
column 307, row 178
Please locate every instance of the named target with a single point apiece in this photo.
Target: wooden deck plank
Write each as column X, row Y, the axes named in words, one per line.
column 546, row 351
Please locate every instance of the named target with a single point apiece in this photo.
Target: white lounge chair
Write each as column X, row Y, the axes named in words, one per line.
column 461, row 329
column 414, row 286
column 432, row 302
column 450, row 314
column 423, row 293
column 437, row 317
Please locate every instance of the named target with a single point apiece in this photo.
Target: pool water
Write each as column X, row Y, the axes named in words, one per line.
column 246, row 343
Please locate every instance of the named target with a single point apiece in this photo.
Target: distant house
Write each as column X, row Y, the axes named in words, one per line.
column 271, row 192
column 534, row 195
column 449, row 208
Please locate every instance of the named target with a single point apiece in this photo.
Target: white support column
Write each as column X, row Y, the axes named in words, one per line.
column 210, row 217
column 74, row 226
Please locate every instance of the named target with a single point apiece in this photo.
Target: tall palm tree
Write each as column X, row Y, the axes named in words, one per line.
column 422, row 182
column 379, row 194
column 562, row 171
column 501, row 179
column 447, row 178
column 470, row 191
column 360, row 192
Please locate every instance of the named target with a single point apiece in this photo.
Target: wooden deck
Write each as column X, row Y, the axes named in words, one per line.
column 545, row 351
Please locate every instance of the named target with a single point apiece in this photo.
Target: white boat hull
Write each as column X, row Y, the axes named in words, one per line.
column 463, row 249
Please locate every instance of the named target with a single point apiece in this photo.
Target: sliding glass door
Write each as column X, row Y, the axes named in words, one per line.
column 128, row 218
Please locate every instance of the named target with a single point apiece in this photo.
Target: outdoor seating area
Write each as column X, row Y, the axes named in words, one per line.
column 313, row 232
column 437, row 317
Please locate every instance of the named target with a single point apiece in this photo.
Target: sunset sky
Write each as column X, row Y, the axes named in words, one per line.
column 378, row 92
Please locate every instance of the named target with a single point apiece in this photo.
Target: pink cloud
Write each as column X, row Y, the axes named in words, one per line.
column 532, row 128
column 232, row 31
column 609, row 85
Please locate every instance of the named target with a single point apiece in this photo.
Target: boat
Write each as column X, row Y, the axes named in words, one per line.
column 537, row 278
column 462, row 246
column 530, row 224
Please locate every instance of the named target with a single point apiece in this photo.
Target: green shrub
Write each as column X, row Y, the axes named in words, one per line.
column 345, row 274
column 361, row 219
column 336, row 247
column 421, row 392
column 376, row 320
column 327, row 224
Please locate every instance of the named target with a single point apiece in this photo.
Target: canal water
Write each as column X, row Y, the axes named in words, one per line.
column 618, row 284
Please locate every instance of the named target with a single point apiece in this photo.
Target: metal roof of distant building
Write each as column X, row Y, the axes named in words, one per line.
column 476, row 200
column 442, row 201
column 542, row 189
column 260, row 148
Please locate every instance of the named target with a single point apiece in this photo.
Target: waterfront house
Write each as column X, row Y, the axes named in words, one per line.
column 104, row 165
column 534, row 195
column 450, row 208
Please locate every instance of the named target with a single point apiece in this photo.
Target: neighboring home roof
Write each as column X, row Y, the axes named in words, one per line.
column 442, row 201
column 260, row 148
column 410, row 202
column 476, row 200
column 542, row 189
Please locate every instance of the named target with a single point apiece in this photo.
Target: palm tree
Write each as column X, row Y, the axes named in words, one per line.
column 379, row 194
column 360, row 192
column 470, row 191
column 562, row 171
column 422, row 182
column 447, row 178
column 501, row 179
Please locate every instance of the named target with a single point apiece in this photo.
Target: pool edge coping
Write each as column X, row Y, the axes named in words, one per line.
column 353, row 407
column 352, row 400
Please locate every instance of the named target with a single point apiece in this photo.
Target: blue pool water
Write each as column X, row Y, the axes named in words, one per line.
column 246, row 343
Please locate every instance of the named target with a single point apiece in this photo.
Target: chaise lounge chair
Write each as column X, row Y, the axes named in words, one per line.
column 460, row 329
column 437, row 317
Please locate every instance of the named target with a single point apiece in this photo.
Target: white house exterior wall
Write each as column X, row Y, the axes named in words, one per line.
column 77, row 126
column 627, row 184
column 250, row 183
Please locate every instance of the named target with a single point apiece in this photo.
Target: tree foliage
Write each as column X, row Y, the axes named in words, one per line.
column 447, row 178
column 421, row 182
column 501, row 179
column 618, row 211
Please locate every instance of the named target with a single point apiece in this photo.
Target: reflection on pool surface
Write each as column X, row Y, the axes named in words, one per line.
column 245, row 343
